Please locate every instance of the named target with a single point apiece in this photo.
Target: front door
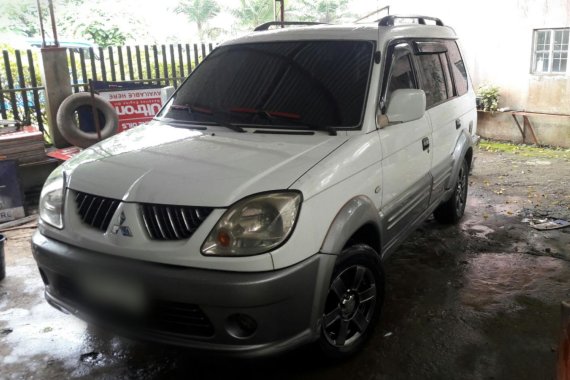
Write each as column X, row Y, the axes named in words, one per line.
column 406, row 153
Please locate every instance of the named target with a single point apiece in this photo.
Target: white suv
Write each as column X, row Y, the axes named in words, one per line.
column 253, row 214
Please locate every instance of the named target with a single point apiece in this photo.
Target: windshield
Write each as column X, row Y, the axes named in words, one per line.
column 308, row 84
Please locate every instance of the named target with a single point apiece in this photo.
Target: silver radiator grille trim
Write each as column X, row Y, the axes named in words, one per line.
column 94, row 210
column 165, row 222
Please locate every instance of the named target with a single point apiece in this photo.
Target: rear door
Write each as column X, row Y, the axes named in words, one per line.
column 406, row 158
column 444, row 80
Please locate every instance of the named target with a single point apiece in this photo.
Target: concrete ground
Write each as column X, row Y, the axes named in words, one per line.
column 479, row 300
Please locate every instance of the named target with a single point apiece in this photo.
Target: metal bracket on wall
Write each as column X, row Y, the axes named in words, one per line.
column 527, row 126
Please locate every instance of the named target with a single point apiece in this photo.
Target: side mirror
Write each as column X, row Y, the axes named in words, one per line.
column 406, row 105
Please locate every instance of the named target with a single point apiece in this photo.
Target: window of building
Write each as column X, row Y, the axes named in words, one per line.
column 550, row 53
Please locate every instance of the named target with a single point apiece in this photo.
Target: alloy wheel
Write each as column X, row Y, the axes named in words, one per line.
column 350, row 305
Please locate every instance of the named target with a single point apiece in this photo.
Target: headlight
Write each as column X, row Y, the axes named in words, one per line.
column 254, row 225
column 51, row 199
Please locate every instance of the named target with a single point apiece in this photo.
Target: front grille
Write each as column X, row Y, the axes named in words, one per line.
column 94, row 210
column 172, row 222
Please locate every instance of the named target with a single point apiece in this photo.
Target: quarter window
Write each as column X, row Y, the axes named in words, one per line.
column 402, row 75
column 457, row 67
column 550, row 51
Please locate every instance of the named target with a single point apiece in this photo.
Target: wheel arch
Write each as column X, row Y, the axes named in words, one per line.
column 463, row 150
column 357, row 222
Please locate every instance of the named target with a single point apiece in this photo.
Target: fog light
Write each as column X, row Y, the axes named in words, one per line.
column 241, row 326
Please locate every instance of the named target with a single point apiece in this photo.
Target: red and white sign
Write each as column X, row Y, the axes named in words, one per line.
column 134, row 107
column 64, row 154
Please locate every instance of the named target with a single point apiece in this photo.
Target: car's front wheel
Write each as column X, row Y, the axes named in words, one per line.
column 353, row 303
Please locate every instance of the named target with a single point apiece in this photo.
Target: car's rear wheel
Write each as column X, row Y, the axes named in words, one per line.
column 453, row 209
column 353, row 303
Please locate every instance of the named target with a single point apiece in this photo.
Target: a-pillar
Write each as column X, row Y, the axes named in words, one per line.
column 57, row 84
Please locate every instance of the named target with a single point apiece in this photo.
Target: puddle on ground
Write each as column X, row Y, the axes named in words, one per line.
column 492, row 281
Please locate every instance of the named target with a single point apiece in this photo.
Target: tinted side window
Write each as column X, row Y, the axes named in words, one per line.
column 402, row 75
column 432, row 79
column 457, row 67
column 448, row 81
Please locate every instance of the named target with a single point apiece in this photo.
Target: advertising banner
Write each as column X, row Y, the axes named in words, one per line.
column 135, row 103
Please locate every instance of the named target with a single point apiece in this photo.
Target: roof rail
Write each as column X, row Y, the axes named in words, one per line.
column 266, row 26
column 390, row 20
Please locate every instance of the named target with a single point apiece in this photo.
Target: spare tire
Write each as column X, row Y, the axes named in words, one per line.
column 67, row 125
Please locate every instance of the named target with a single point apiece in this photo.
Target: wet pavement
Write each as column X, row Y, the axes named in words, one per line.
column 475, row 301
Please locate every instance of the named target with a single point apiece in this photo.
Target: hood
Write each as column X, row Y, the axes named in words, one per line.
column 166, row 164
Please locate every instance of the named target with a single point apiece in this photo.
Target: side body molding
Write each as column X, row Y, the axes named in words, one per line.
column 463, row 144
column 357, row 212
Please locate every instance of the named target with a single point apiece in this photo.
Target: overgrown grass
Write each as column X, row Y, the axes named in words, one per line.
column 524, row 150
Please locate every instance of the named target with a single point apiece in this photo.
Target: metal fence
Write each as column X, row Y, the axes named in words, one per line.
column 165, row 65
column 22, row 93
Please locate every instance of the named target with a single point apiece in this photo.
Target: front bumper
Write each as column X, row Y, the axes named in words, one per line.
column 194, row 307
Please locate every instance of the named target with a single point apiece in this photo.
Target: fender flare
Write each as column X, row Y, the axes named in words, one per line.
column 356, row 213
column 70, row 130
column 463, row 144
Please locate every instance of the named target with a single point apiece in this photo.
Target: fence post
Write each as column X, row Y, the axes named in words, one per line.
column 55, row 78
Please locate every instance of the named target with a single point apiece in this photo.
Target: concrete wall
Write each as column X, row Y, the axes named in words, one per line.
column 551, row 131
column 497, row 39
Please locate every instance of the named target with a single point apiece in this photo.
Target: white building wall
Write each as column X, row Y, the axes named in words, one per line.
column 497, row 37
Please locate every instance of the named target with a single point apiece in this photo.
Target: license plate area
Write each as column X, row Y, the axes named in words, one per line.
column 113, row 294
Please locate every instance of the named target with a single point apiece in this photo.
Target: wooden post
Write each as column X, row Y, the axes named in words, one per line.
column 57, row 83
column 564, row 348
column 95, row 110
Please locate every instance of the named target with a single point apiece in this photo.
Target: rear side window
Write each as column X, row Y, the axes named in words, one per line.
column 457, row 67
column 432, row 79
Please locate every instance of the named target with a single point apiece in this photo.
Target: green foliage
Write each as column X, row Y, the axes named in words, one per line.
column 96, row 21
column 20, row 17
column 103, row 35
column 198, row 12
column 489, row 95
column 524, row 150
column 320, row 10
column 251, row 13
column 27, row 79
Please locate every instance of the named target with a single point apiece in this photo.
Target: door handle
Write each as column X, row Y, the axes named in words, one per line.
column 457, row 123
column 425, row 143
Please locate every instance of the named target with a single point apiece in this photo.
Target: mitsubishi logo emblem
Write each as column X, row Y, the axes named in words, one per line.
column 120, row 228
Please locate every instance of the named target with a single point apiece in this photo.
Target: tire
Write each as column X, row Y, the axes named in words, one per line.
column 353, row 303
column 70, row 130
column 452, row 210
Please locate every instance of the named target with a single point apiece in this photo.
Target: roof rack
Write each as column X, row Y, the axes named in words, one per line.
column 266, row 26
column 390, row 20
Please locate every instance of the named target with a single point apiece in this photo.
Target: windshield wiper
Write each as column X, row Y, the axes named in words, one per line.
column 292, row 118
column 206, row 111
column 191, row 109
